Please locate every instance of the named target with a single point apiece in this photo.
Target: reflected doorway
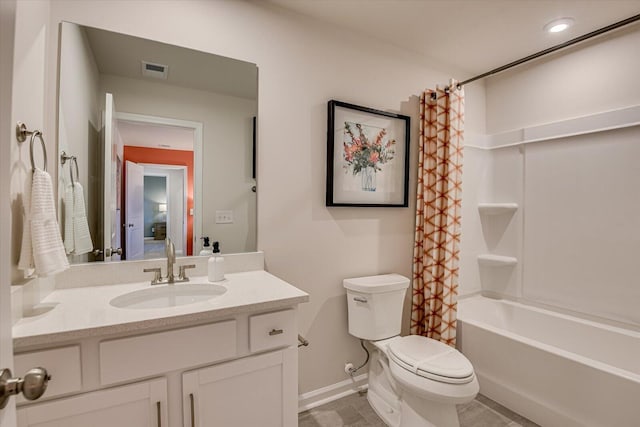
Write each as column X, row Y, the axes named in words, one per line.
column 165, row 153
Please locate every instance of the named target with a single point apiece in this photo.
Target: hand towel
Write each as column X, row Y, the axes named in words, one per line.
column 81, row 236
column 77, row 239
column 69, row 245
column 42, row 248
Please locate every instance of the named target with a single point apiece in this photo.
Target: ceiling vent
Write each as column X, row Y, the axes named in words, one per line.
column 157, row 71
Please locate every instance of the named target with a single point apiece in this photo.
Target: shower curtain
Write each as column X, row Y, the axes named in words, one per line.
column 438, row 214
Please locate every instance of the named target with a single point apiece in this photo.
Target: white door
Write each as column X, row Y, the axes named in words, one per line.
column 23, row 41
column 7, row 138
column 141, row 404
column 112, row 220
column 134, row 211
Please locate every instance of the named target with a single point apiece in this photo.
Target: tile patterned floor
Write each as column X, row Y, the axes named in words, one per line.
column 354, row 411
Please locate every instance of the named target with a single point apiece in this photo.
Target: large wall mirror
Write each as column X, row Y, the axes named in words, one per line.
column 164, row 142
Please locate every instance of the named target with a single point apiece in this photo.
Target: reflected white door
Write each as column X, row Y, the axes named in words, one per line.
column 134, row 211
column 112, row 219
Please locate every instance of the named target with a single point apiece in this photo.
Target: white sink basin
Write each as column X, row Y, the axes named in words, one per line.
column 163, row 296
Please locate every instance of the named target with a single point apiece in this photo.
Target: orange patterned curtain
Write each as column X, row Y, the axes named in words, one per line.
column 438, row 214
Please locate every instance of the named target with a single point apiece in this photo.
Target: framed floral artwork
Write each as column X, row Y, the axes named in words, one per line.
column 367, row 157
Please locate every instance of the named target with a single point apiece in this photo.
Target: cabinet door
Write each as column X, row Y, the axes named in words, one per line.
column 142, row 405
column 255, row 391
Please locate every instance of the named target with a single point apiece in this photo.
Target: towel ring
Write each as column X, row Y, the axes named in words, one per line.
column 21, row 136
column 37, row 133
column 75, row 162
column 64, row 158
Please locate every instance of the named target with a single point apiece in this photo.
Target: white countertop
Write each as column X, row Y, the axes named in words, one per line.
column 79, row 313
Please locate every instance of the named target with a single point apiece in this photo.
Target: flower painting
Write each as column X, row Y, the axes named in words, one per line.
column 367, row 157
column 366, row 149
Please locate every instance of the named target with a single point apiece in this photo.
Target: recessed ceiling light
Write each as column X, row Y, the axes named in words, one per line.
column 558, row 25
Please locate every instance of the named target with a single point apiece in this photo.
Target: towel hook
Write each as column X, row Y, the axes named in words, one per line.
column 21, row 135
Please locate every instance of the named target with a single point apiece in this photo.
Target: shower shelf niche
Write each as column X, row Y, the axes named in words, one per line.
column 489, row 260
column 497, row 208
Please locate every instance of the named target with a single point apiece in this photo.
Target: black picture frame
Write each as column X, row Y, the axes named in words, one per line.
column 362, row 139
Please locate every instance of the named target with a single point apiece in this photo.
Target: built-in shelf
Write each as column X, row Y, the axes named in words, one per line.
column 497, row 208
column 489, row 260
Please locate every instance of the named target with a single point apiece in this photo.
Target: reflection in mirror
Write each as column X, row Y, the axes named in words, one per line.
column 164, row 140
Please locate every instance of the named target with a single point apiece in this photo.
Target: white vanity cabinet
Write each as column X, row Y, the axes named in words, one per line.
column 142, row 404
column 231, row 361
column 236, row 371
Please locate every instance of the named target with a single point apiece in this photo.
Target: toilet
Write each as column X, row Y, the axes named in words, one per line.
column 414, row 381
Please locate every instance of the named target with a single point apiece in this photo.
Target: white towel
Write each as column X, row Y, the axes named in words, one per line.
column 77, row 239
column 69, row 245
column 42, row 248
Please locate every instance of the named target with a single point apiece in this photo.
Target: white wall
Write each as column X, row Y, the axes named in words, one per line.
column 227, row 150
column 302, row 64
column 580, row 220
column 596, row 76
column 33, row 104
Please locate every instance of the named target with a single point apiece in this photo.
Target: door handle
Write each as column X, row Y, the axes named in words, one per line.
column 32, row 386
column 193, row 410
column 112, row 251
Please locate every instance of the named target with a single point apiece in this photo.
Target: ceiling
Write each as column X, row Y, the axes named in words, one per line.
column 121, row 55
column 149, row 135
column 473, row 36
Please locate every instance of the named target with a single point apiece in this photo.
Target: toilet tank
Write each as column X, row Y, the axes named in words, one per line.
column 375, row 305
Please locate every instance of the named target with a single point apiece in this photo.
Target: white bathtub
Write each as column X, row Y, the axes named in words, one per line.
column 554, row 369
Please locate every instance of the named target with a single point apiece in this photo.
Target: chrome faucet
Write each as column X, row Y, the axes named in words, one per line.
column 170, row 251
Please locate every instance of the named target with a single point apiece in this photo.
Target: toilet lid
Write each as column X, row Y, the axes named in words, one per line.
column 431, row 359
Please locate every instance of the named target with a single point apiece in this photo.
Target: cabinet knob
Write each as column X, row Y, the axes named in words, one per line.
column 275, row 332
column 32, row 386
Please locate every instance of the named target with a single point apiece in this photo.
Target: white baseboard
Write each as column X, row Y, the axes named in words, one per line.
column 331, row 392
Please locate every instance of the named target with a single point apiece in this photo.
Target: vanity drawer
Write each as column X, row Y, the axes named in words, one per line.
column 143, row 356
column 63, row 364
column 272, row 330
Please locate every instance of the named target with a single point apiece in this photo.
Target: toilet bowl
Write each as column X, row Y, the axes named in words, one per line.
column 414, row 381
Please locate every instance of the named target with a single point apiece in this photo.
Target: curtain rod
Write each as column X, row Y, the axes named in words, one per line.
column 553, row 49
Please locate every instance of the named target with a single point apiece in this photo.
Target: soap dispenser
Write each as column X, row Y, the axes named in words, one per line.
column 206, row 247
column 216, row 265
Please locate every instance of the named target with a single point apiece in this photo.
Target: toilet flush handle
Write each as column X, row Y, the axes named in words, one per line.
column 360, row 299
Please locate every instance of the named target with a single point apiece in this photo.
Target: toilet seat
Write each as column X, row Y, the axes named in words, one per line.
column 431, row 359
column 431, row 370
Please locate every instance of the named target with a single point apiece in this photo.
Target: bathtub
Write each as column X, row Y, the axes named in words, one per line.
column 552, row 368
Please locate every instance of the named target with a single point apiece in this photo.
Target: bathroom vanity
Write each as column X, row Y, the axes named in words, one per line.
column 230, row 360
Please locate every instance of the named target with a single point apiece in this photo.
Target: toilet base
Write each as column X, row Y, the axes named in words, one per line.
column 418, row 412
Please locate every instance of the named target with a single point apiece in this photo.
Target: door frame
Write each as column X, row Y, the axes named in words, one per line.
column 197, row 162
column 8, row 11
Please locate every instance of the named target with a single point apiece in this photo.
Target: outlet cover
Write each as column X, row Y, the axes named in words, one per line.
column 224, row 217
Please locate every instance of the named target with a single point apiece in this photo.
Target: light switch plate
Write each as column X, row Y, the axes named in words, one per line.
column 224, row 217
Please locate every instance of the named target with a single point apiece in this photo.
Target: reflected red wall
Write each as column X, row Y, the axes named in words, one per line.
column 167, row 157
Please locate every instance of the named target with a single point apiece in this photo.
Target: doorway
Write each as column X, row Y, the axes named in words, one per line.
column 165, row 194
column 166, row 150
